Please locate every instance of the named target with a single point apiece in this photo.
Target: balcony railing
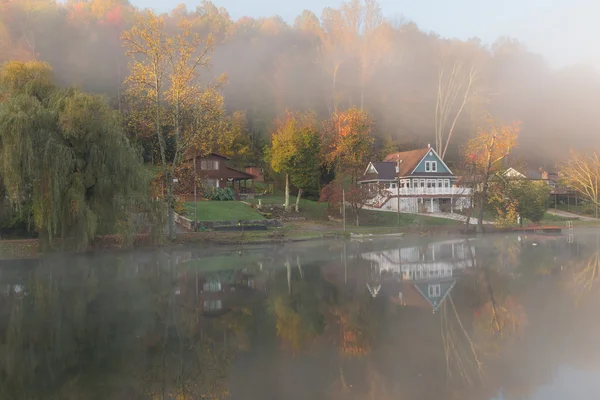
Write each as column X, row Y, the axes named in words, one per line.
column 453, row 191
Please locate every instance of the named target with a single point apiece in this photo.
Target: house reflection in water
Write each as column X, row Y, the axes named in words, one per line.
column 217, row 290
column 420, row 276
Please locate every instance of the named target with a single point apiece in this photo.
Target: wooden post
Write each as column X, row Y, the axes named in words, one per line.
column 195, row 198
column 344, row 208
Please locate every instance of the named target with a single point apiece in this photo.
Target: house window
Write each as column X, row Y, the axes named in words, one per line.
column 209, row 165
column 447, row 183
column 434, row 290
column 212, row 305
column 433, row 166
column 427, row 166
column 439, row 183
column 393, row 185
column 430, row 183
column 212, row 286
column 422, row 183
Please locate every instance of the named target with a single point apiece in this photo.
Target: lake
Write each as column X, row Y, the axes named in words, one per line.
column 497, row 317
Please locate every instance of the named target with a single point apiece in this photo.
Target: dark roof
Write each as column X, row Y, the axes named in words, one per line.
column 191, row 153
column 408, row 159
column 226, row 172
column 386, row 171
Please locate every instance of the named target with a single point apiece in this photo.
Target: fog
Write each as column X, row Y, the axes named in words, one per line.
column 497, row 317
column 387, row 65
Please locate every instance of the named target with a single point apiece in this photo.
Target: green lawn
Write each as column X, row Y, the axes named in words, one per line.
column 309, row 209
column 386, row 218
column 222, row 211
column 313, row 210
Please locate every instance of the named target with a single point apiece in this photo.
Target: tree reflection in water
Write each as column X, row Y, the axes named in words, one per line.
column 333, row 320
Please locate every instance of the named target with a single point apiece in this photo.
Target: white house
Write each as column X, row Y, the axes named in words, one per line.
column 417, row 181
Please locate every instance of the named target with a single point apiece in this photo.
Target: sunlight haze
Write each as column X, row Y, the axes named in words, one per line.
column 558, row 29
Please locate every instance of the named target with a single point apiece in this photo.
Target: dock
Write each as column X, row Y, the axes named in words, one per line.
column 540, row 230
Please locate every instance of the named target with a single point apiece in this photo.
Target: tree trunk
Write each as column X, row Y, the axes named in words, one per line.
column 287, row 193
column 483, row 201
column 298, row 200
column 166, row 170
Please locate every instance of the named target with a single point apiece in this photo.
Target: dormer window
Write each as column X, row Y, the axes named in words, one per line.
column 430, row 166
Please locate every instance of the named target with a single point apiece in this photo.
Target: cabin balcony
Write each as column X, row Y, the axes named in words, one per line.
column 429, row 191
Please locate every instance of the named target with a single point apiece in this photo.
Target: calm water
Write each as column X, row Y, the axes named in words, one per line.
column 504, row 317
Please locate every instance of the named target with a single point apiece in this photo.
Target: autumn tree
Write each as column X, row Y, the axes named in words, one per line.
column 356, row 196
column 582, row 173
column 166, row 69
column 514, row 198
column 234, row 140
column 350, row 142
column 296, row 152
column 64, row 157
column 485, row 153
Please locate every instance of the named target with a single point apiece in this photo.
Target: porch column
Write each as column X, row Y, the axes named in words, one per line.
column 451, row 205
column 431, row 209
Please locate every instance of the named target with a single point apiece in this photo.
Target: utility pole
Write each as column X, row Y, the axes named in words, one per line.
column 344, row 208
column 398, row 199
column 195, row 198
column 398, row 191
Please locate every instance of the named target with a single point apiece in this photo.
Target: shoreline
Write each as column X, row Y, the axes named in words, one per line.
column 12, row 249
column 29, row 248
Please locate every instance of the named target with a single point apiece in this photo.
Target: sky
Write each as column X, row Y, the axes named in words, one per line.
column 564, row 31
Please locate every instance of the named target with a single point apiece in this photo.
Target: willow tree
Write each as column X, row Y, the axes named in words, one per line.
column 166, row 69
column 64, row 155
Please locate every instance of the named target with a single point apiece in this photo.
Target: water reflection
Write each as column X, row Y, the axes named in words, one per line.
column 499, row 317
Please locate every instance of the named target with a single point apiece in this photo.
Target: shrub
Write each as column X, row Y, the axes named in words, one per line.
column 219, row 194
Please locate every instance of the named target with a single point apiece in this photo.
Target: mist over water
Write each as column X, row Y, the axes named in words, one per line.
column 503, row 317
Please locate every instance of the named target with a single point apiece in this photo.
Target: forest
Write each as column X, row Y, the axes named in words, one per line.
column 348, row 56
column 90, row 90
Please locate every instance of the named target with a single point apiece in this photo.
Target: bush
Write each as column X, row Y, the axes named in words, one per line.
column 219, row 194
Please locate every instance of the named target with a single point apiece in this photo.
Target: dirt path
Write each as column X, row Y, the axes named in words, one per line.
column 567, row 214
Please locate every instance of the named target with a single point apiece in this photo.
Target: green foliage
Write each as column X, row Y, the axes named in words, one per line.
column 532, row 198
column 64, row 155
column 296, row 150
column 529, row 199
column 219, row 194
column 235, row 142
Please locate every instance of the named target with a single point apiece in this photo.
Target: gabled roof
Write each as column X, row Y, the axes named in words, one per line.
column 511, row 172
column 408, row 159
column 383, row 171
column 435, row 301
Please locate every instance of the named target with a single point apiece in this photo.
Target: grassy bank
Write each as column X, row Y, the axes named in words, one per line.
column 222, row 211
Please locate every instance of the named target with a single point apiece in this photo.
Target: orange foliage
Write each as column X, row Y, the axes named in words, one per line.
column 352, row 341
column 350, row 139
column 491, row 145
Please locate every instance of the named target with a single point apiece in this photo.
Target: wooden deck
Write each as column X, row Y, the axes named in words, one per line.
column 540, row 229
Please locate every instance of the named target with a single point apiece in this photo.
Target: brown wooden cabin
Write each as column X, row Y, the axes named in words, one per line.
column 213, row 170
column 256, row 173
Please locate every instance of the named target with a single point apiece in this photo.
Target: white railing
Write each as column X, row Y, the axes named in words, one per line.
column 455, row 191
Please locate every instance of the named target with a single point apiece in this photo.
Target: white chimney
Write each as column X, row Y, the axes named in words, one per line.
column 428, row 145
column 398, row 166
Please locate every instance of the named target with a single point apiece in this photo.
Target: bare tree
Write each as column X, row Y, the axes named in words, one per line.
column 456, row 82
column 582, row 173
